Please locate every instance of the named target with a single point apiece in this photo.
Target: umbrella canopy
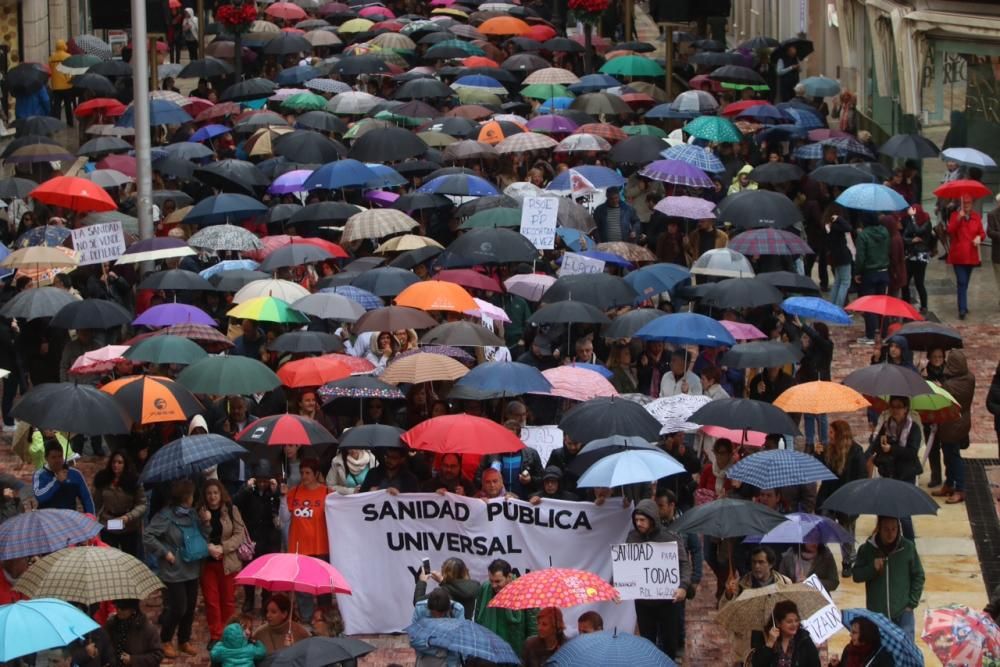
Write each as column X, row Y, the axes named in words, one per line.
column 316, row 371
column 76, row 194
column 960, row 635
column 376, row 223
column 149, row 399
column 267, row 309
column 91, row 314
column 686, row 329
column 610, row 648
column 436, row 295
column 489, row 246
column 674, row 411
column 880, row 496
column 32, row 626
column 741, row 293
column 504, row 379
column 462, row 434
column 44, row 531
column 886, row 380
column 928, row 336
column 577, row 384
column 754, row 607
column 394, row 318
column 385, row 281
column 169, row 314
column 753, row 209
column 909, row 147
column 293, row 572
column 372, row 436
column 803, row 528
column 627, row 324
column 73, row 408
column 166, row 350
column 284, row 430
column 225, row 376
column 321, row 651
column 462, row 334
column 329, row 306
column 280, row 289
column 189, row 456
column 306, row 342
column 35, row 303
column 815, row 308
column 554, row 587
column 607, row 417
column 89, row 575
column 630, row 467
column 873, row 197
column 744, row 414
column 569, row 312
column 463, row 637
column 423, row 367
column 729, row 517
column 770, row 242
column 776, row 468
column 894, row 639
column 820, row 398
column 723, row 263
column 175, row 279
column 601, row 290
column 101, row 360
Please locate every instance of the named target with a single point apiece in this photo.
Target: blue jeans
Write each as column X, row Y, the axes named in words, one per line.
column 954, row 471
column 811, row 423
column 907, row 623
column 873, row 282
column 841, row 284
column 963, row 275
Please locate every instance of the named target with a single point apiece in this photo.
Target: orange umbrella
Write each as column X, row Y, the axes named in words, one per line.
column 76, row 194
column 423, row 367
column 492, row 132
column 151, row 399
column 504, row 25
column 479, row 61
column 820, row 398
column 317, row 371
column 436, row 295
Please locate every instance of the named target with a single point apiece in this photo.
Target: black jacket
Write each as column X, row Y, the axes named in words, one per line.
column 993, row 399
column 561, row 458
column 882, row 658
column 804, row 653
column 405, row 482
column 529, row 459
column 836, row 242
column 854, row 469
column 816, row 359
column 259, row 511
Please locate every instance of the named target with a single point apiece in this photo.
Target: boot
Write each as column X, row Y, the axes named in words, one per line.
column 935, row 478
column 188, row 648
column 955, row 498
column 169, row 652
column 944, row 491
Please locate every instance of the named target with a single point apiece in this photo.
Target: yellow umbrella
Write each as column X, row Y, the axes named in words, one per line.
column 261, row 142
column 354, row 26
column 437, row 139
column 39, row 257
column 407, row 242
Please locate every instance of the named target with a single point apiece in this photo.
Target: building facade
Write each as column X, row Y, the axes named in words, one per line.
column 30, row 28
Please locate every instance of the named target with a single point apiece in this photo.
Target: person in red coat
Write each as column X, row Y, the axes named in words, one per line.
column 965, row 233
column 10, row 571
column 897, row 255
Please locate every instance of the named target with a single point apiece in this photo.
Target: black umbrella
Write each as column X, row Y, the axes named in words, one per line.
column 880, row 496
column 175, row 279
column 562, row 45
column 737, row 74
column 845, row 175
column 306, row 342
column 744, row 414
column 478, row 204
column 568, row 312
column 287, row 43
column 232, row 281
column 742, row 293
column 385, row 281
column 393, row 318
column 716, row 59
column 595, row 450
column 453, row 126
column 708, row 45
column 489, row 246
column 759, row 42
column 387, row 144
column 31, row 140
column 803, row 47
column 111, row 68
column 91, row 314
column 887, row 380
column 282, row 212
column 175, row 167
column 930, row 336
column 524, row 44
column 776, row 172
column 294, row 254
column 73, row 408
column 320, row 652
column 308, row 146
column 753, row 209
column 15, row 187
column 322, row 213
column 232, row 176
column 461, row 334
column 625, row 326
column 423, row 89
column 358, row 65
column 761, row 354
column 419, row 201
column 372, row 436
column 251, row 89
column 322, row 121
column 100, row 85
column 100, row 146
column 640, row 149
column 258, row 120
column 609, row 417
column 600, row 103
column 180, row 198
column 729, row 517
column 790, row 282
column 525, row 62
column 601, row 290
column 362, row 264
column 206, row 68
column 43, row 125
column 31, row 304
column 411, row 258
column 25, row 79
column 909, row 147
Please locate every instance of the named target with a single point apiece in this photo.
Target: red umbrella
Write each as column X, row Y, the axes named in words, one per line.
column 76, row 194
column 286, row 11
column 216, row 111
column 281, row 430
column 329, row 246
column 886, row 306
column 123, row 163
column 100, row 106
column 315, row 371
column 554, row 587
column 471, row 279
column 271, row 243
column 736, row 108
column 462, row 434
column 702, row 82
column 963, row 187
column 540, row 32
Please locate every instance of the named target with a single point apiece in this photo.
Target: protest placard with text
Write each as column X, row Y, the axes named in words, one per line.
column 539, row 216
column 646, row 570
column 104, row 242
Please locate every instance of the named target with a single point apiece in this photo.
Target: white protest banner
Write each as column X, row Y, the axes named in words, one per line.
column 575, row 264
column 538, row 221
column 646, row 570
column 377, row 542
column 826, row 622
column 543, row 439
column 104, row 242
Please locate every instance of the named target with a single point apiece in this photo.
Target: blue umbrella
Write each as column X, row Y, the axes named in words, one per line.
column 903, row 650
column 386, row 177
column 189, row 456
column 479, row 81
column 780, row 467
column 506, row 378
column 466, row 638
column 782, row 133
column 44, row 531
column 633, row 466
column 550, row 105
column 872, row 197
column 610, row 649
column 462, row 185
column 803, row 528
column 44, row 235
column 814, row 152
column 814, row 308
column 657, row 278
column 803, row 118
column 687, row 329
column 345, row 173
column 702, row 158
column 661, row 111
column 31, row 626
column 606, row 257
column 209, row 132
column 293, row 76
column 229, row 265
column 765, row 113
column 601, row 177
column 573, row 238
column 592, row 83
column 821, row 86
column 970, row 157
column 366, row 299
column 4, row 251
column 219, row 209
column 597, row 368
column 161, row 112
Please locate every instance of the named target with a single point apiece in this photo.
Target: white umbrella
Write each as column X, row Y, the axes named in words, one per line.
column 724, row 263
column 673, row 412
column 279, row 289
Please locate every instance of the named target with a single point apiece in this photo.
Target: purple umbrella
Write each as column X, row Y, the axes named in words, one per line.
column 290, row 182
column 552, row 124
column 802, row 528
column 210, row 132
column 692, row 208
column 381, row 197
column 169, row 314
column 677, row 173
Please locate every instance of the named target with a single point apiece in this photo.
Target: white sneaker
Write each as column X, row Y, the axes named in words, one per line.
column 866, row 341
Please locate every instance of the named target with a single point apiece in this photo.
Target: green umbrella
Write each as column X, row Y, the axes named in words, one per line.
column 228, row 376
column 494, row 217
column 546, row 91
column 267, row 309
column 632, row 66
column 760, row 87
column 399, row 119
column 478, row 96
column 468, row 47
column 363, row 126
column 715, row 129
column 304, row 102
column 644, row 130
column 166, row 350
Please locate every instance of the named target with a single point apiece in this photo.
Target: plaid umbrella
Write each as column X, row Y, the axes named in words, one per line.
column 89, row 575
column 752, row 609
column 525, row 142
column 607, row 131
column 673, row 411
column 552, row 76
column 466, row 638
column 903, row 650
column 423, row 367
column 610, row 649
column 961, row 636
column 189, row 456
column 366, row 299
column 770, row 242
column 780, row 467
column 554, row 587
column 44, row 531
column 208, row 337
column 376, row 223
column 696, row 156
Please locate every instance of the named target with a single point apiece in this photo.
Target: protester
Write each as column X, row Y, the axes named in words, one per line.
column 846, row 459
column 119, row 497
column 279, row 630
column 236, row 649
column 889, row 567
column 810, row 559
column 551, row 636
column 965, row 234
column 135, row 641
column 865, row 648
column 513, row 625
column 872, row 268
column 437, row 605
column 589, row 621
column 57, row 485
column 226, row 533
column 954, row 435
column 786, row 641
column 454, row 578
column 349, row 469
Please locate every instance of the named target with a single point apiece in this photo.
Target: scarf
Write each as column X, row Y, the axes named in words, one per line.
column 859, row 656
column 357, row 469
column 845, row 116
column 720, row 477
column 900, row 433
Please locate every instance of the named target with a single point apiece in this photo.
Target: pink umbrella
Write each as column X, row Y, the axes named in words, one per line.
column 123, row 163
column 529, row 286
column 286, row 11
column 293, row 572
column 381, row 197
column 751, row 438
column 743, row 331
column 578, row 384
column 487, row 309
column 376, row 10
column 442, row 3
column 98, row 361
